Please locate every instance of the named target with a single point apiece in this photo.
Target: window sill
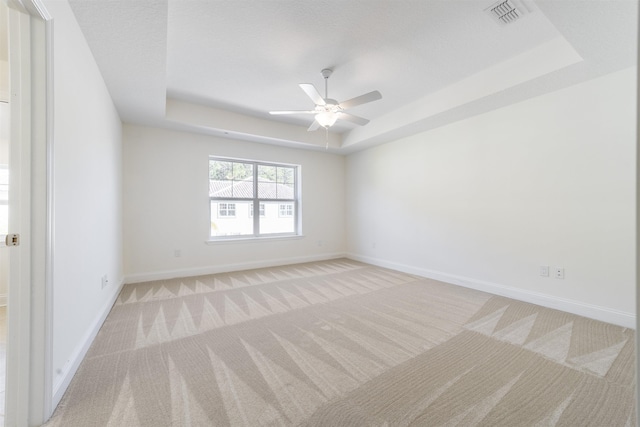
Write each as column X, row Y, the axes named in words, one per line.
column 253, row 239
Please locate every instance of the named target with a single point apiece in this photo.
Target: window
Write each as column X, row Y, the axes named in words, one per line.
column 226, row 209
column 285, row 210
column 237, row 187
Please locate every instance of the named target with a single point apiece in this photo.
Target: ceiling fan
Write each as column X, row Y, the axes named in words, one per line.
column 329, row 110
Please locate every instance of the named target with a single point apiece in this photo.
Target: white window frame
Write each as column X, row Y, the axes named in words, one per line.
column 257, row 201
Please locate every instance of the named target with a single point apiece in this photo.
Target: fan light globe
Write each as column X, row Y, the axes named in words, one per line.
column 326, row 119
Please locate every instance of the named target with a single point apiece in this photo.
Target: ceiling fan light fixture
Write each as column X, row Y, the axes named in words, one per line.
column 326, row 119
column 328, row 110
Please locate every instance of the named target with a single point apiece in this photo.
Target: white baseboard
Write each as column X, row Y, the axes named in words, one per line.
column 63, row 379
column 591, row 311
column 3, row 300
column 201, row 271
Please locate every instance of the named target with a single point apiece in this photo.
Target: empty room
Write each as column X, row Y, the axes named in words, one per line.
column 336, row 213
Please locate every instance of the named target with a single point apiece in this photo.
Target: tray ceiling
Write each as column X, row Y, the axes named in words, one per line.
column 219, row 67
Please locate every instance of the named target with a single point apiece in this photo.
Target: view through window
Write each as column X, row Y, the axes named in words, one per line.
column 238, row 188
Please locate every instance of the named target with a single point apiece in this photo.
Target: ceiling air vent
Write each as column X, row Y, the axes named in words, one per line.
column 507, row 11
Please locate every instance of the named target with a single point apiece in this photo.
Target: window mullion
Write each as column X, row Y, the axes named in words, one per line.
column 296, row 210
column 256, row 202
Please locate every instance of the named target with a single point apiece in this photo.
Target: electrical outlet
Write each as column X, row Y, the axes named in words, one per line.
column 544, row 270
column 105, row 281
column 558, row 272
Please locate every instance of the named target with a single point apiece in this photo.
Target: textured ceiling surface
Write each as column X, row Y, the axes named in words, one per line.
column 229, row 62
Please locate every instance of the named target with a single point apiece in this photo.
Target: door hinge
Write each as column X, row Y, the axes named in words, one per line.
column 12, row 240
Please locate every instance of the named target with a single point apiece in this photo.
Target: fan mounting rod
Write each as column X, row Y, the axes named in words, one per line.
column 326, row 73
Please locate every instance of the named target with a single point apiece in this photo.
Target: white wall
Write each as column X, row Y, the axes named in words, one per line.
column 87, row 196
column 484, row 202
column 166, row 205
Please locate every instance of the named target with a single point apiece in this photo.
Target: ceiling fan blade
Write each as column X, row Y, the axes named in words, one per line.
column 362, row 99
column 292, row 112
column 353, row 119
column 312, row 93
column 314, row 126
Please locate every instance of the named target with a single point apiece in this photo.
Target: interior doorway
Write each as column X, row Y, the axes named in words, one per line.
column 25, row 130
column 4, row 198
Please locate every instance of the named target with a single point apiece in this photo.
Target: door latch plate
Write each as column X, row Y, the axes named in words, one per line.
column 12, row 240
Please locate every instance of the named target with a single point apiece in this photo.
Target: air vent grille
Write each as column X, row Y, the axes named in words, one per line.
column 506, row 11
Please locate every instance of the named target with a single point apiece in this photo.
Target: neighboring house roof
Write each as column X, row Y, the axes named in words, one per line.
column 244, row 189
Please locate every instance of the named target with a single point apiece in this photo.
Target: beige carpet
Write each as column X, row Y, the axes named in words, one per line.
column 340, row 343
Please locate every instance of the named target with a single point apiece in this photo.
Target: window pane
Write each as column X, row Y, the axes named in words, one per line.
column 231, row 218
column 242, row 189
column 276, row 182
column 230, row 179
column 266, row 173
column 220, row 188
column 242, row 171
column 272, row 222
column 285, row 183
column 267, row 190
column 266, row 182
column 285, row 175
column 220, row 170
column 285, row 191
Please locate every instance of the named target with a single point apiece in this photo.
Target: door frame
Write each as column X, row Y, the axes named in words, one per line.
column 29, row 313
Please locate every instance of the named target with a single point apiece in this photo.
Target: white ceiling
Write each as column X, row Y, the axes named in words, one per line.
column 218, row 67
